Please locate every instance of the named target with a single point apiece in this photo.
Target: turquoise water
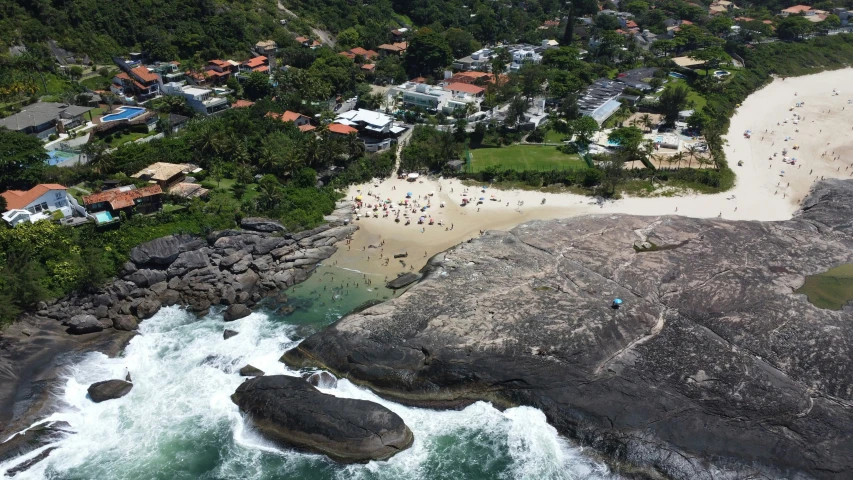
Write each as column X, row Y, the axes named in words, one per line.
column 57, row 156
column 179, row 423
column 677, row 75
column 124, row 113
column 103, row 217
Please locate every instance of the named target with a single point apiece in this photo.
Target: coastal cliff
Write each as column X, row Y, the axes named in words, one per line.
column 233, row 268
column 713, row 367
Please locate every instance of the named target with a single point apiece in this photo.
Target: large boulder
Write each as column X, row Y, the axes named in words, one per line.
column 109, row 390
column 187, row 261
column 147, row 308
column 80, row 324
column 236, row 312
column 260, row 224
column 146, row 277
column 251, row 371
column 291, row 412
column 712, row 367
column 160, row 251
column 125, row 322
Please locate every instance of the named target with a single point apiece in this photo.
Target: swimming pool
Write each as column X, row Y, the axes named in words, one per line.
column 677, row 75
column 58, row 156
column 721, row 73
column 103, row 217
column 659, row 139
column 124, row 113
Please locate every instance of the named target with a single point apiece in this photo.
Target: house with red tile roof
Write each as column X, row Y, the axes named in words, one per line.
column 253, row 63
column 126, row 199
column 465, row 88
column 37, row 203
column 471, row 77
column 356, row 52
column 397, row 48
column 136, row 82
column 369, row 67
column 341, row 129
column 242, row 104
column 297, row 118
column 796, row 10
column 307, row 42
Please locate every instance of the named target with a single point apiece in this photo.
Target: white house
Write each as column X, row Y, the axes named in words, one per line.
column 200, row 99
column 39, row 203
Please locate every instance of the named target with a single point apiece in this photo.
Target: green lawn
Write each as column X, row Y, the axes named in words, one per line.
column 698, row 100
column 96, row 83
column 552, row 136
column 525, row 157
column 227, row 183
column 127, row 138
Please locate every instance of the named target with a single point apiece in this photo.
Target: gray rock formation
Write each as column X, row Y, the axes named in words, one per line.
column 109, row 390
column 228, row 334
column 259, row 224
column 293, row 413
column 236, row 312
column 322, row 380
column 713, row 368
column 403, row 280
column 80, row 324
column 251, row 371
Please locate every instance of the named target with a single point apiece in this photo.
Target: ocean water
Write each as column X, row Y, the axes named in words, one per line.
column 178, row 422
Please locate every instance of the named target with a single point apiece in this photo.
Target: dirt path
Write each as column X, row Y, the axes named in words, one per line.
column 323, row 35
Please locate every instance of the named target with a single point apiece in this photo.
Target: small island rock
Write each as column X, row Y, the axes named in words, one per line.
column 289, row 411
column 236, row 312
column 109, row 390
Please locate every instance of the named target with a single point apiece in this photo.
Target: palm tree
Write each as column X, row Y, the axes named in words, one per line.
column 354, row 145
column 692, row 153
column 97, row 158
column 676, row 159
column 646, row 120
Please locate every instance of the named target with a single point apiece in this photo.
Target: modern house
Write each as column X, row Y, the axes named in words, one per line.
column 221, row 70
column 128, row 199
column 375, row 129
column 478, row 61
column 201, row 100
column 307, row 42
column 165, row 174
column 168, row 71
column 136, row 83
column 39, row 203
column 465, row 89
column 43, row 119
column 447, row 99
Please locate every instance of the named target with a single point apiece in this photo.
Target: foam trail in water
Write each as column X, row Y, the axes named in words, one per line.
column 178, row 421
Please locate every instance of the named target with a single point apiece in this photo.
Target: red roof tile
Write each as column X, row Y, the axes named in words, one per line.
column 242, row 104
column 631, row 24
column 364, row 53
column 17, row 199
column 465, row 87
column 255, row 62
column 289, row 116
column 306, row 128
column 262, row 68
column 341, row 129
column 118, row 199
column 143, row 74
column 369, row 67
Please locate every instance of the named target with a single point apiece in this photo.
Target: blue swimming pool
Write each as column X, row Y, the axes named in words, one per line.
column 659, row 139
column 55, row 157
column 103, row 217
column 123, row 113
column 677, row 75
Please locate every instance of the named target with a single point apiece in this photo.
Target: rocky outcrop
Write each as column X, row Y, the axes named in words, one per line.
column 323, row 380
column 236, row 312
column 259, row 224
column 233, row 268
column 35, row 437
column 109, row 390
column 80, row 324
column 403, row 280
column 289, row 411
column 712, row 368
column 251, row 371
column 228, row 334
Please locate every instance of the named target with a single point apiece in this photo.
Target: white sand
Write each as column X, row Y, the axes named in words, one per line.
column 761, row 191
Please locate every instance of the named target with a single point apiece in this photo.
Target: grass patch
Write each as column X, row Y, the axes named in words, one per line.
column 698, row 100
column 96, row 83
column 552, row 136
column 226, row 185
column 127, row 138
column 525, row 157
column 830, row 290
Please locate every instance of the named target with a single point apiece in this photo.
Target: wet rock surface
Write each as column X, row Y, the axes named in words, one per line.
column 713, row 368
column 403, row 280
column 293, row 413
column 109, row 390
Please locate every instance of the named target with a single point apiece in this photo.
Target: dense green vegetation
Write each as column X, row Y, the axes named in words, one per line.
column 525, row 157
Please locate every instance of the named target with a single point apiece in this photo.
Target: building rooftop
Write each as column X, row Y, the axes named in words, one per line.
column 40, row 113
column 256, row 62
column 144, row 74
column 119, row 198
column 162, row 171
column 17, row 199
column 362, row 116
column 687, row 62
column 465, row 88
column 341, row 129
column 242, row 104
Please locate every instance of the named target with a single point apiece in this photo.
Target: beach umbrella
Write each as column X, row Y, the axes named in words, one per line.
column 358, row 197
column 481, row 198
column 408, row 194
column 618, row 301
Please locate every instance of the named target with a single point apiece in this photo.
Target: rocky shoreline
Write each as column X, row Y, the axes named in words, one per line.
column 712, row 368
column 232, row 269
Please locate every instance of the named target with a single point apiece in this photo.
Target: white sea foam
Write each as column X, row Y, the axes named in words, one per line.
column 178, row 421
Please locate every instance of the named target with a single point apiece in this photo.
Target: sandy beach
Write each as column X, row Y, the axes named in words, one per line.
column 767, row 187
